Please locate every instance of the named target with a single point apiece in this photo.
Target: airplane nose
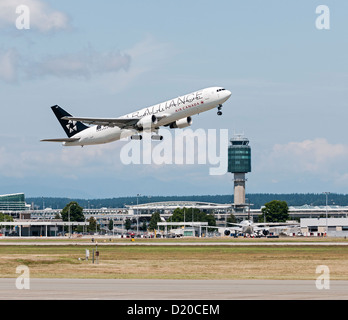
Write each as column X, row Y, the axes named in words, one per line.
column 228, row 93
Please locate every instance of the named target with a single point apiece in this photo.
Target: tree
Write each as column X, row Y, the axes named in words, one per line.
column 5, row 217
column 128, row 224
column 154, row 219
column 231, row 218
column 144, row 227
column 192, row 214
column 73, row 211
column 111, row 224
column 275, row 211
column 93, row 227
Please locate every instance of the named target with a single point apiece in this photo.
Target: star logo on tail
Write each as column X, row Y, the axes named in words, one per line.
column 71, row 126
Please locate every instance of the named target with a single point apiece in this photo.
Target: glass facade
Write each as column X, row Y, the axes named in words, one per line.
column 12, row 202
column 239, row 159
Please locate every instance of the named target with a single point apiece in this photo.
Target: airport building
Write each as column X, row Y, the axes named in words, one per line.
column 37, row 228
column 334, row 227
column 13, row 202
column 44, row 222
column 185, row 229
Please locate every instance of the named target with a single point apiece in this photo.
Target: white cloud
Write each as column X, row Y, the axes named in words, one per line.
column 310, row 155
column 315, row 158
column 82, row 64
column 147, row 56
column 144, row 57
column 8, row 65
column 19, row 159
column 42, row 17
column 85, row 64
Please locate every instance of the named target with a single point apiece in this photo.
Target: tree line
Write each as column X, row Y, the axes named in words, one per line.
column 257, row 200
column 273, row 211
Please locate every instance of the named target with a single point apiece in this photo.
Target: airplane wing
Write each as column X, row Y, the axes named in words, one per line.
column 236, row 224
column 110, row 122
column 229, row 228
column 61, row 140
column 274, row 224
column 123, row 123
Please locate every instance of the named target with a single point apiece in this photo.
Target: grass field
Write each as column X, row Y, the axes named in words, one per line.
column 175, row 262
column 104, row 239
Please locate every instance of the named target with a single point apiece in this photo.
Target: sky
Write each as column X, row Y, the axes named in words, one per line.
column 285, row 63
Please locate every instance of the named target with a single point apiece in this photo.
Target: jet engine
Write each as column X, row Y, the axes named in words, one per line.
column 147, row 122
column 227, row 232
column 265, row 232
column 182, row 123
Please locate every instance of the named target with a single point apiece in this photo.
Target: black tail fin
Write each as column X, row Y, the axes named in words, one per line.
column 70, row 127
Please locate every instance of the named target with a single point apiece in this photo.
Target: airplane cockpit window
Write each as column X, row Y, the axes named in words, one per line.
column 220, row 90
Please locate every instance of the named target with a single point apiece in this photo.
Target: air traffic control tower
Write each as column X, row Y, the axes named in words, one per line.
column 239, row 163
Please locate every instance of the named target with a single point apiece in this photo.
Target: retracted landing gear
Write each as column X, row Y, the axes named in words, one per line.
column 219, row 113
column 155, row 137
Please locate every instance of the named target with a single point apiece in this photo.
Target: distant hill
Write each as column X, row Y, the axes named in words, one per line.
column 256, row 199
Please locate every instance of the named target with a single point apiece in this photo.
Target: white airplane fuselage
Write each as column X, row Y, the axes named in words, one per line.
column 167, row 113
column 247, row 226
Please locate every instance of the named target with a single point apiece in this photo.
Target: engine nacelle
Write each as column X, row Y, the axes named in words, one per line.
column 265, row 232
column 182, row 123
column 227, row 232
column 147, row 122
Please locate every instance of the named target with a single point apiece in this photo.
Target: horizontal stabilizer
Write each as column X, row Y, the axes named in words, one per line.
column 61, row 140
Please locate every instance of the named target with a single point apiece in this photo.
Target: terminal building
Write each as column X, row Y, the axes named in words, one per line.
column 13, row 202
column 44, row 222
column 334, row 227
column 37, row 228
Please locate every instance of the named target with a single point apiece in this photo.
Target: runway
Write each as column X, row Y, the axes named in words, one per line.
column 177, row 243
column 114, row 289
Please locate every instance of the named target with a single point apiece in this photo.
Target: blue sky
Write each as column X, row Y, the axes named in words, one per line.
column 288, row 81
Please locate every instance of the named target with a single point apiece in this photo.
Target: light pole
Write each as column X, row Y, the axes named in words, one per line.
column 326, row 194
column 138, row 195
column 71, row 204
column 69, row 219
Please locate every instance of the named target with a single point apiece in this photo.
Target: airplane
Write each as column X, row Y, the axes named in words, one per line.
column 174, row 113
column 255, row 229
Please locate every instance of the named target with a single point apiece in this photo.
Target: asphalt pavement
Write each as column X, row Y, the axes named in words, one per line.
column 133, row 289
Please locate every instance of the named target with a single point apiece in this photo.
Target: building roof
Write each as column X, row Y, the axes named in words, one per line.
column 322, row 222
column 167, row 205
column 11, row 194
column 307, row 207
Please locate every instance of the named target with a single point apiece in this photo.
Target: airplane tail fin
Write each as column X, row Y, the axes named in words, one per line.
column 70, row 127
